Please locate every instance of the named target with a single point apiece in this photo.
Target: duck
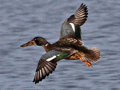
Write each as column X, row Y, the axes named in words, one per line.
column 69, row 46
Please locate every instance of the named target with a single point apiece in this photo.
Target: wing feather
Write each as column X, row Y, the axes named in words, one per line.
column 80, row 16
column 45, row 66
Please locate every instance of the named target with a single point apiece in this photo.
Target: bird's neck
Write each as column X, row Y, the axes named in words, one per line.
column 47, row 47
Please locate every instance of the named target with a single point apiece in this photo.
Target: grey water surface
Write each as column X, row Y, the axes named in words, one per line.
column 22, row 20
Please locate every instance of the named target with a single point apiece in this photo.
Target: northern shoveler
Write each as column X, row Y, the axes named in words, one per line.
column 69, row 46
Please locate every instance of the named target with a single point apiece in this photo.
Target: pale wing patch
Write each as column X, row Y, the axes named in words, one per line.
column 51, row 58
column 73, row 26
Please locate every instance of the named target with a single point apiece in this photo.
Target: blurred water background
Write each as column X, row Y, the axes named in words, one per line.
column 22, row 20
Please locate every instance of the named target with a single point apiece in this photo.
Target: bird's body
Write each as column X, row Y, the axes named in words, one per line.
column 69, row 46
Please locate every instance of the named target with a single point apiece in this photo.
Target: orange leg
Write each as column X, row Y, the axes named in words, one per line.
column 86, row 62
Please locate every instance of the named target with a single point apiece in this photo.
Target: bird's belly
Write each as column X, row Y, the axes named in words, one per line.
column 75, row 56
column 72, row 57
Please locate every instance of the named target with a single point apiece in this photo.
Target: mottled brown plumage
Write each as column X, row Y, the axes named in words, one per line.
column 69, row 46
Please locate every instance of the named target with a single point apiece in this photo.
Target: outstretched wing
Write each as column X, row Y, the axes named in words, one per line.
column 71, row 27
column 80, row 16
column 47, row 64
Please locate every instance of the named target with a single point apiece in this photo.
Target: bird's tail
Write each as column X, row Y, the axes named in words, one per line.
column 92, row 56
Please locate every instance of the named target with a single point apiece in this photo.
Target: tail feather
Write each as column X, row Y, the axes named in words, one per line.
column 93, row 55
